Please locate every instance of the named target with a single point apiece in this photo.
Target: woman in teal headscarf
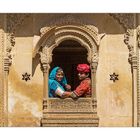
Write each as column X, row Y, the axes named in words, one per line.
column 58, row 84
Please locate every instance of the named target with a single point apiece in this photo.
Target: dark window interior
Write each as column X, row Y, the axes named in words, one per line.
column 67, row 55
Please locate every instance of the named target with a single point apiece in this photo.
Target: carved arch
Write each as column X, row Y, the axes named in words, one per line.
column 55, row 35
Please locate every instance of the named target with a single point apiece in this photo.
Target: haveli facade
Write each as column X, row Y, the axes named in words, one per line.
column 31, row 44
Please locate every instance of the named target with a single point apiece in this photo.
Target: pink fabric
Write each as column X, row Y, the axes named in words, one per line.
column 84, row 89
column 83, row 68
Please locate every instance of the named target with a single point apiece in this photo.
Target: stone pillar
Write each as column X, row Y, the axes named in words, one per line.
column 45, row 69
column 138, row 65
column 45, row 61
column 7, row 64
column 94, row 64
column 1, row 71
column 134, row 86
column 131, row 42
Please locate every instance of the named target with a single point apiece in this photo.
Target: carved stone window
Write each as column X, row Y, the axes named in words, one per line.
column 67, row 112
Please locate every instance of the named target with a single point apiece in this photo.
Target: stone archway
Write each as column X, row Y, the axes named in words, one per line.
column 67, row 112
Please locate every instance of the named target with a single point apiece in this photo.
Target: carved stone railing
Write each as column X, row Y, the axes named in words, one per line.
column 69, row 112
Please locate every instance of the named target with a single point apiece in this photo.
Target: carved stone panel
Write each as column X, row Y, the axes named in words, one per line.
column 69, row 105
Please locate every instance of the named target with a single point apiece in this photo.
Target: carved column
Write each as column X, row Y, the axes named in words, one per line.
column 7, row 64
column 4, row 70
column 1, row 72
column 94, row 64
column 138, row 47
column 134, row 85
column 45, row 66
column 45, row 69
column 130, row 41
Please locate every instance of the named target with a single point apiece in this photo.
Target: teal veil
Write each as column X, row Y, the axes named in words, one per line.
column 53, row 84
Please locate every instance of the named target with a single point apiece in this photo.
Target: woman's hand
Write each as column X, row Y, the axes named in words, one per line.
column 68, row 87
column 66, row 94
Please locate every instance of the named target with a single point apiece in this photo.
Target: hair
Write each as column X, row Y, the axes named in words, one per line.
column 59, row 69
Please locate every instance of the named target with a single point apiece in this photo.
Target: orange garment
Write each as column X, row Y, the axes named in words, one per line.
column 84, row 89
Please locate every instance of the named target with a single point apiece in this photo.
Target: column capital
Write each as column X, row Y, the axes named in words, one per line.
column 45, row 67
column 94, row 62
column 44, row 61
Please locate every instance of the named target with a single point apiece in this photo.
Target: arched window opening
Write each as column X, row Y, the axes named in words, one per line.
column 68, row 55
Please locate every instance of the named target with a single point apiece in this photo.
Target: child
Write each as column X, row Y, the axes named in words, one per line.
column 84, row 88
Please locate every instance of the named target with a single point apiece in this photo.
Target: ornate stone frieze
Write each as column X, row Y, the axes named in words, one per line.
column 126, row 20
column 68, row 19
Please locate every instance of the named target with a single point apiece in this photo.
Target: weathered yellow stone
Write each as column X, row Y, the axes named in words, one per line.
column 25, row 99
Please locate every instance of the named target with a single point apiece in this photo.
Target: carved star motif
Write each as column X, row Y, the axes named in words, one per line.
column 114, row 77
column 26, row 76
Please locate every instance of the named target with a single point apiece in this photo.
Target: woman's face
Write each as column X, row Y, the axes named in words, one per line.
column 59, row 75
